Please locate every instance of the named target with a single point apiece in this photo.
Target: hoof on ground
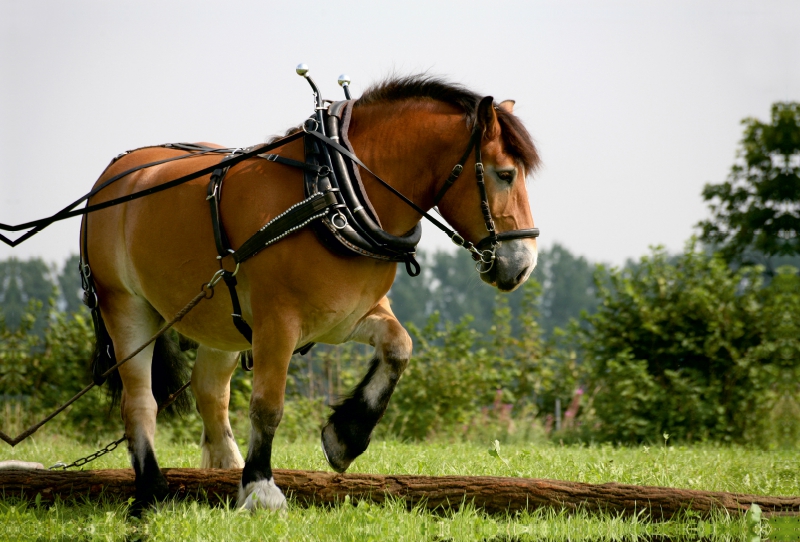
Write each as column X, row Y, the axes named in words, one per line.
column 220, row 455
column 335, row 450
column 261, row 495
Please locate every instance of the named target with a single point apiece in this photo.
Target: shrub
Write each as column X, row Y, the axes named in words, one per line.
column 692, row 349
column 37, row 374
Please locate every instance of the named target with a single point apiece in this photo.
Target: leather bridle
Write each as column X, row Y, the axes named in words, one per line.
column 484, row 252
column 325, row 203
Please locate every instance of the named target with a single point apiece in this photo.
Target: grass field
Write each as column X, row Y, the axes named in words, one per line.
column 705, row 467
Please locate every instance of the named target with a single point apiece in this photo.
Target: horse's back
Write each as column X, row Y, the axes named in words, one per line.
column 161, row 247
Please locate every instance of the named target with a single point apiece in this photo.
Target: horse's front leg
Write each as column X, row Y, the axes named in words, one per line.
column 272, row 349
column 350, row 426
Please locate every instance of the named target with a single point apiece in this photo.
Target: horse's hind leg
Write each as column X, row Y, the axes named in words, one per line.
column 350, row 426
column 131, row 321
column 211, row 385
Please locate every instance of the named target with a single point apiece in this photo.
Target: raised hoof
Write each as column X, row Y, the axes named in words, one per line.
column 261, row 495
column 336, row 452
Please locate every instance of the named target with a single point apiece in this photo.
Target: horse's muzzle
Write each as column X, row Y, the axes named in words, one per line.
column 513, row 265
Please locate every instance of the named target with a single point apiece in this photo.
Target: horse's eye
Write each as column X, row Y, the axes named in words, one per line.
column 506, row 176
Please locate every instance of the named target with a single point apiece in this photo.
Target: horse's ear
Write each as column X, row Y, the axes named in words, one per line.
column 487, row 118
column 507, row 106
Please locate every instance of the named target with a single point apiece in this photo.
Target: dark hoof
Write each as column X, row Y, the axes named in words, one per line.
column 137, row 509
column 149, row 494
column 336, row 451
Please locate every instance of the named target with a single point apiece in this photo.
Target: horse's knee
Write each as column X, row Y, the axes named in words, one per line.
column 395, row 346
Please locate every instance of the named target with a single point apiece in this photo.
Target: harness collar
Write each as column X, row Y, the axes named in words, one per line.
column 483, row 252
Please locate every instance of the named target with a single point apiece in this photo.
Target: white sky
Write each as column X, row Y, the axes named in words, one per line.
column 635, row 105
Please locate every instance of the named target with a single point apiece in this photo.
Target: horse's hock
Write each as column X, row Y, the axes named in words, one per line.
column 492, row 494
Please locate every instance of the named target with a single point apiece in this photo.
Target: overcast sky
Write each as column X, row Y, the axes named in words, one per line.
column 634, row 105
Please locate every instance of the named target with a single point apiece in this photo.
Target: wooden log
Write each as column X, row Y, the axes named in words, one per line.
column 493, row 494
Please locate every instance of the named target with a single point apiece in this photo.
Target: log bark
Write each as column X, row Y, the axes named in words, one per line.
column 493, row 494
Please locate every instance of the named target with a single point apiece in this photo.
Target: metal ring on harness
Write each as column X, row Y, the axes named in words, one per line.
column 483, row 258
column 480, row 269
column 341, row 217
column 307, row 130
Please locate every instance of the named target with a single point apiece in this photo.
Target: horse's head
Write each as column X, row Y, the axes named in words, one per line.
column 508, row 156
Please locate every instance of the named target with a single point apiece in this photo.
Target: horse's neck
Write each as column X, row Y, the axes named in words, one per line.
column 410, row 148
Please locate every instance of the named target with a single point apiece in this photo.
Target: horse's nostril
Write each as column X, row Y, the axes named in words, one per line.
column 520, row 277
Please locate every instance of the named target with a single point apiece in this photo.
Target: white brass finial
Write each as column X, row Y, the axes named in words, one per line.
column 302, row 69
column 344, row 79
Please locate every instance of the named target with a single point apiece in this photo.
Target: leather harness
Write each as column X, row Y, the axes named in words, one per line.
column 335, row 203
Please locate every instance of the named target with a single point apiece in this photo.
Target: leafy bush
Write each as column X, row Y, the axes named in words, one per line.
column 462, row 383
column 693, row 349
column 37, row 374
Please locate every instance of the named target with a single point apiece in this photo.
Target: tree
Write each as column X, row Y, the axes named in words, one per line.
column 69, row 281
column 758, row 207
column 568, row 287
column 448, row 285
column 695, row 349
column 23, row 281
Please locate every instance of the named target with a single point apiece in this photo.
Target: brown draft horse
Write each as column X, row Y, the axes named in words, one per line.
column 151, row 255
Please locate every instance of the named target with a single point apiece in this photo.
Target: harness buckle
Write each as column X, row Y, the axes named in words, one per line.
column 479, row 170
column 457, row 239
column 457, row 169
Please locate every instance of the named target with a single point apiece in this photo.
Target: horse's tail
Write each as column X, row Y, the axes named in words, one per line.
column 170, row 369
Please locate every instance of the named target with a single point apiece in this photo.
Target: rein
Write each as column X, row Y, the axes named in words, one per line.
column 484, row 256
column 68, row 212
column 332, row 199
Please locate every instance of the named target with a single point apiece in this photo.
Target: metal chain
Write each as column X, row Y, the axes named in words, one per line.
column 113, row 446
column 91, row 457
column 206, row 292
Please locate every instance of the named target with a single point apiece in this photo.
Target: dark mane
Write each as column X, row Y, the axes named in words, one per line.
column 516, row 139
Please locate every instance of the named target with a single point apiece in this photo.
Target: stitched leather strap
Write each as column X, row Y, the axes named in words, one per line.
column 293, row 219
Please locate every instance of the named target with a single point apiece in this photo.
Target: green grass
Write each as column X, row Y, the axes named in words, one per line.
column 707, row 467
